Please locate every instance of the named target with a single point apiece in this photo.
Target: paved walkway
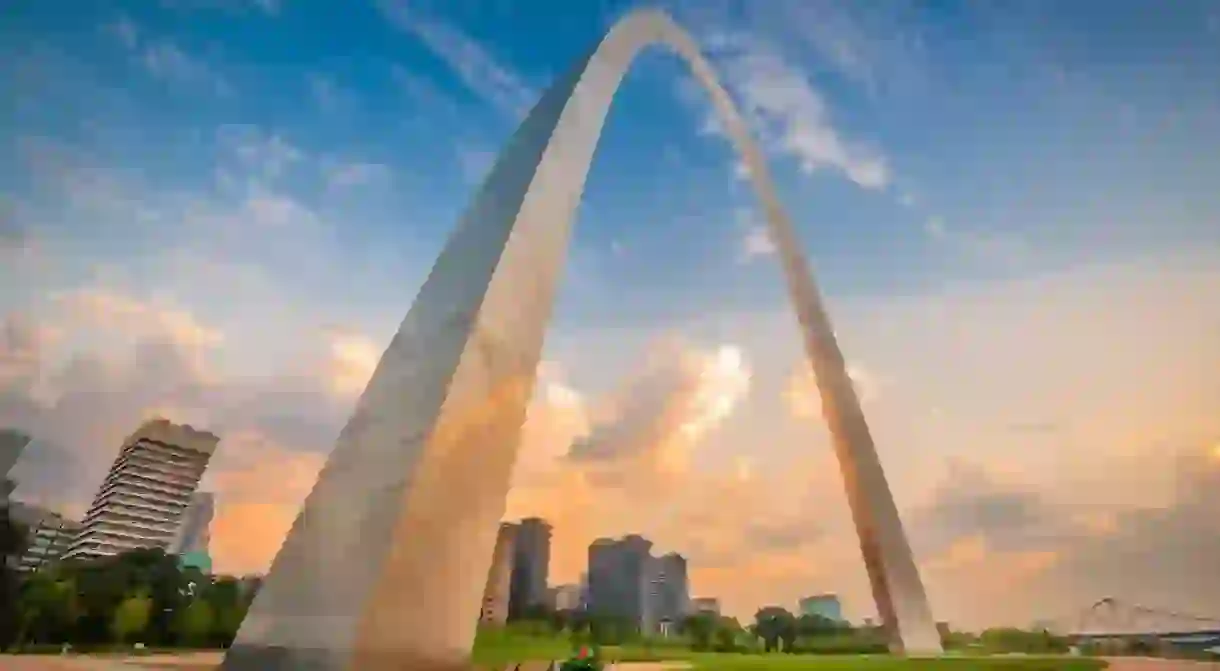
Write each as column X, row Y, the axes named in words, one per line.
column 1149, row 664
column 189, row 662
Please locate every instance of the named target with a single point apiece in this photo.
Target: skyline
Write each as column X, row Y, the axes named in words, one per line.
column 1034, row 299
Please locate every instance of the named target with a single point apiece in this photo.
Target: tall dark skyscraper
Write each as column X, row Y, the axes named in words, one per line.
column 531, row 566
column 621, row 573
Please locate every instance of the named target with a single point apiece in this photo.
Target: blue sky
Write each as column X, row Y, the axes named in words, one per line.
column 269, row 181
column 1051, row 130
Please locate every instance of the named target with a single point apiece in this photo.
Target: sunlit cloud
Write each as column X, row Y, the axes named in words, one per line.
column 107, row 309
column 353, row 357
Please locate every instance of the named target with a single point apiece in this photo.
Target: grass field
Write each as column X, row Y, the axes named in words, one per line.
column 493, row 650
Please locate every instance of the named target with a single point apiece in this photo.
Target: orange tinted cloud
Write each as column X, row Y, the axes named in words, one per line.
column 259, row 489
column 104, row 308
column 351, row 361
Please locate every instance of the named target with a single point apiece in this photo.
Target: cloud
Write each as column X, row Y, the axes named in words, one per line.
column 345, row 175
column 482, row 73
column 1049, row 560
column 167, row 61
column 260, row 487
column 974, row 505
column 353, row 357
column 787, row 114
column 663, row 413
column 77, row 180
column 756, row 241
column 267, row 156
column 637, row 463
column 100, row 307
column 21, row 345
column 79, row 404
column 803, row 400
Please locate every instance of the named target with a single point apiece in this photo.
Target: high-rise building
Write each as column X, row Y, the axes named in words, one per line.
column 496, row 593
column 705, row 604
column 193, row 539
column 142, row 499
column 584, row 590
column 621, row 574
column 821, row 605
column 670, row 589
column 48, row 535
column 531, row 566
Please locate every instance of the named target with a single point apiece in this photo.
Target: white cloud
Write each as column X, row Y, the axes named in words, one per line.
column 757, row 242
column 344, row 175
column 267, row 156
column 268, row 208
column 788, row 114
column 481, row 72
column 167, row 61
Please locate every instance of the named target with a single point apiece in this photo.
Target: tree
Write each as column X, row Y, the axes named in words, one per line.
column 229, row 604
column 1011, row 639
column 12, row 546
column 131, row 617
column 193, row 624
column 700, row 628
column 817, row 625
column 48, row 608
column 726, row 639
column 774, row 624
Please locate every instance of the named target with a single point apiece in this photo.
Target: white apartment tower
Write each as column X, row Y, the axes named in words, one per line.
column 150, row 485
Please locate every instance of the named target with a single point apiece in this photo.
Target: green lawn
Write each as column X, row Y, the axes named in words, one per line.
column 492, row 650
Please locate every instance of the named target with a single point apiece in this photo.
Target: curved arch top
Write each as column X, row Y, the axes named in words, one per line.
column 385, row 565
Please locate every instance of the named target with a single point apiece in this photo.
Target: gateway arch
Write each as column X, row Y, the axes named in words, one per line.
column 385, row 565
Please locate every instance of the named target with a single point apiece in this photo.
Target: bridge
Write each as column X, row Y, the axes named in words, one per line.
column 1113, row 620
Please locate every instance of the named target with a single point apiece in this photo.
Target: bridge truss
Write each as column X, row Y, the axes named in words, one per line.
column 1110, row 617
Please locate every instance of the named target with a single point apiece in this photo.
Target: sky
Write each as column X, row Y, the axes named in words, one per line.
column 218, row 211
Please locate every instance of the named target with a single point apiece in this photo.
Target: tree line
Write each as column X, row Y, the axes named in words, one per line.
column 773, row 630
column 142, row 596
